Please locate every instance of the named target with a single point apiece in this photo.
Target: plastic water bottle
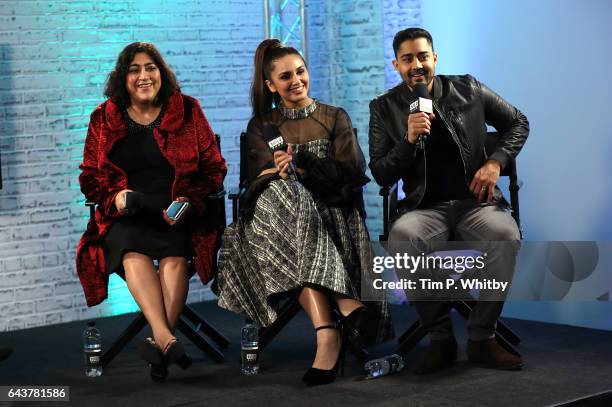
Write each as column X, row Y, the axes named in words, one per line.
column 92, row 346
column 250, row 349
column 383, row 366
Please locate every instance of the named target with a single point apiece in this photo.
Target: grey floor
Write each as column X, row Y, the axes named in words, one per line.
column 561, row 363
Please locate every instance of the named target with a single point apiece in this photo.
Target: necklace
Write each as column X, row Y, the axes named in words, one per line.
column 134, row 125
column 299, row 113
column 138, row 118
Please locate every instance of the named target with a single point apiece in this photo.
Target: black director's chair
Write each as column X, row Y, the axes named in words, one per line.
column 290, row 307
column 200, row 332
column 413, row 335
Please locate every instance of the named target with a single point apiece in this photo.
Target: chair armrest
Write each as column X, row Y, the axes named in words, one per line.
column 92, row 209
column 215, row 211
column 236, row 193
column 389, row 195
column 386, row 191
column 216, row 195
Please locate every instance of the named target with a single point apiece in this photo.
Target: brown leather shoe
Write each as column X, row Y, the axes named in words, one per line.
column 490, row 354
column 439, row 355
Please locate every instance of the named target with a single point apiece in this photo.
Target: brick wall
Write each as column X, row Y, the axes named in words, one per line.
column 55, row 58
column 347, row 68
column 350, row 52
column 397, row 15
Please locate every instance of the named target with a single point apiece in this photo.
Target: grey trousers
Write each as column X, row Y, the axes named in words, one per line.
column 428, row 229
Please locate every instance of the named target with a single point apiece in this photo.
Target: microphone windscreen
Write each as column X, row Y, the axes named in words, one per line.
column 420, row 88
column 270, row 132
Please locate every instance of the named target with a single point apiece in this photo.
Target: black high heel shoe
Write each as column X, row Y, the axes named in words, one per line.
column 315, row 377
column 151, row 353
column 174, row 352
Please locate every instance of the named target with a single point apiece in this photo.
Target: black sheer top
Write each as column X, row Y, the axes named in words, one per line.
column 337, row 179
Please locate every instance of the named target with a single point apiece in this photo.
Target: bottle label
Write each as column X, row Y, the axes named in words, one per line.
column 94, row 360
column 249, row 356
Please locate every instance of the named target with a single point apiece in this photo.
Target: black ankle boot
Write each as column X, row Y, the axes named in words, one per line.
column 490, row 354
column 440, row 354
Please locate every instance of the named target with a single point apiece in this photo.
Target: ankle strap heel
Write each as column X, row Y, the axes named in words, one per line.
column 314, row 376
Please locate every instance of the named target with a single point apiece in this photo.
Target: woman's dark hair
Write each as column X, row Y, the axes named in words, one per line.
column 267, row 52
column 115, row 85
column 411, row 34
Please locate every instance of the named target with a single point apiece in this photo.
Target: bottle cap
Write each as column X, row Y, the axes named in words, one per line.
column 91, row 323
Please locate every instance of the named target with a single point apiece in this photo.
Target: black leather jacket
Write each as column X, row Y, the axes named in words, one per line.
column 465, row 106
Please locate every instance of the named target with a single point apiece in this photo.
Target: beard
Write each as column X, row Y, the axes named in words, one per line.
column 426, row 74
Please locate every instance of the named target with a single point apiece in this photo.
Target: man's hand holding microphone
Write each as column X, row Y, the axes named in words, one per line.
column 419, row 127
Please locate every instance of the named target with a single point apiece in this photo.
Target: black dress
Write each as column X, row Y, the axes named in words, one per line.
column 303, row 232
column 149, row 173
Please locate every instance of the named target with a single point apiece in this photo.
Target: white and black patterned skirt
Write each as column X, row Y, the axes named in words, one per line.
column 290, row 242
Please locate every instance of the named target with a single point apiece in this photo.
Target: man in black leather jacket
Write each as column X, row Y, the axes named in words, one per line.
column 450, row 186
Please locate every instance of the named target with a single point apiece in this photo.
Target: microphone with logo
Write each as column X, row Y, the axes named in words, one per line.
column 276, row 142
column 422, row 103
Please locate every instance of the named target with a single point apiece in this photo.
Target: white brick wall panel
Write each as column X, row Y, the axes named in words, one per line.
column 44, row 111
column 65, row 315
column 32, row 262
column 112, row 6
column 48, row 185
column 53, row 304
column 25, row 171
column 44, row 126
column 34, row 292
column 23, row 278
column 8, row 98
column 13, row 188
column 25, row 322
column 7, row 295
column 8, row 204
column 13, row 219
column 93, row 312
column 12, row 264
column 17, row 308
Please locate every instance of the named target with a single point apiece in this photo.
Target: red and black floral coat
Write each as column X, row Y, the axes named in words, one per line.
column 187, row 141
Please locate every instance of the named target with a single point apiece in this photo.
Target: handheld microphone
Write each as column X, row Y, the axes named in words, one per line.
column 276, row 142
column 422, row 103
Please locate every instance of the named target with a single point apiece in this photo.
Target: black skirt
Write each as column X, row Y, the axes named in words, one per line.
column 143, row 233
column 149, row 173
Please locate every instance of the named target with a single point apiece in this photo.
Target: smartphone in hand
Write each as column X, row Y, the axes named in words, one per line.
column 176, row 210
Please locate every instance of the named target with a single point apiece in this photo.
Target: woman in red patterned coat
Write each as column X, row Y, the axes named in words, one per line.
column 146, row 146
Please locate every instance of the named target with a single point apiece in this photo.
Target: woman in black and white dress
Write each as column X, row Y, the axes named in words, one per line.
column 302, row 233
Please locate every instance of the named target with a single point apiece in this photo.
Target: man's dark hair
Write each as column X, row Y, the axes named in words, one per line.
column 115, row 85
column 411, row 34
